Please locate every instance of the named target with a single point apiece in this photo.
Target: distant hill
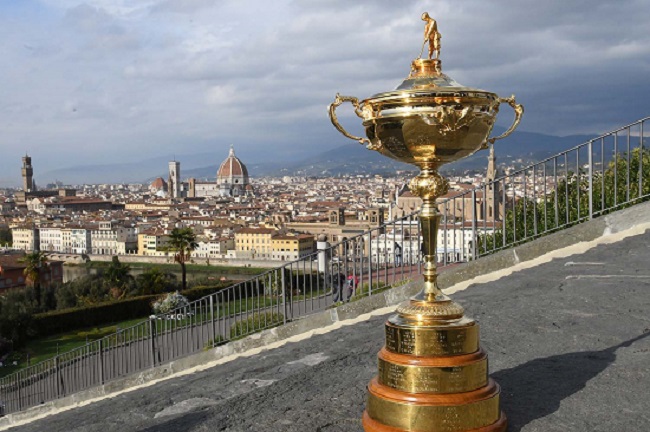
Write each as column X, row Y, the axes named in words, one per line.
column 521, row 148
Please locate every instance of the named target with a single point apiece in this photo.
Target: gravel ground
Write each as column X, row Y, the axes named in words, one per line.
column 569, row 342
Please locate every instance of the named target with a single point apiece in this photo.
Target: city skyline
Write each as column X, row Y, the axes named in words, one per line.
column 118, row 81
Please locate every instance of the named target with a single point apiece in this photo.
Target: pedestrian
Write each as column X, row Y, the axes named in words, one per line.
column 398, row 254
column 338, row 283
column 352, row 283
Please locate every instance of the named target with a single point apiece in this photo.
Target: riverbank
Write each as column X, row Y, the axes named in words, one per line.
column 72, row 271
column 191, row 268
column 68, row 258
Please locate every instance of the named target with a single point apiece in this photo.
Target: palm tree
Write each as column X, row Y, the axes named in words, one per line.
column 117, row 275
column 155, row 281
column 182, row 241
column 35, row 261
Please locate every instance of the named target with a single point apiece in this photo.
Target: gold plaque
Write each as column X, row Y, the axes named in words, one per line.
column 458, row 338
column 459, row 374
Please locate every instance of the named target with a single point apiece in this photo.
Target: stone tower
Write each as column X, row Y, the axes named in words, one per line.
column 174, row 183
column 493, row 198
column 28, row 172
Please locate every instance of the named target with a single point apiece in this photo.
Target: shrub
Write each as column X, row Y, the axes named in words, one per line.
column 255, row 323
column 169, row 303
column 200, row 291
column 5, row 346
column 60, row 321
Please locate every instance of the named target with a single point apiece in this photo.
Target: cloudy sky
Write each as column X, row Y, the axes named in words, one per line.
column 111, row 81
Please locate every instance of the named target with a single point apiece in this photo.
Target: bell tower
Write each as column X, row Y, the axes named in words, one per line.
column 27, row 172
column 492, row 199
column 173, row 184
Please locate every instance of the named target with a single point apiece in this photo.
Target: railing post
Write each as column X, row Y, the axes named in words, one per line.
column 101, row 361
column 370, row 262
column 590, row 178
column 284, row 297
column 152, row 336
column 57, row 376
column 474, row 239
column 20, row 393
column 214, row 330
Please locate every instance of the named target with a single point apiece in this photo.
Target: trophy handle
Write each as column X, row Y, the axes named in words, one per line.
column 357, row 110
column 519, row 111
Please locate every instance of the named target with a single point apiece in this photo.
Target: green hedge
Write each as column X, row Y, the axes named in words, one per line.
column 200, row 291
column 59, row 321
column 64, row 320
column 255, row 323
column 191, row 268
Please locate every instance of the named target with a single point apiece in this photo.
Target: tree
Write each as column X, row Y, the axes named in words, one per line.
column 5, row 237
column 118, row 276
column 35, row 262
column 155, row 281
column 182, row 241
column 624, row 182
column 16, row 309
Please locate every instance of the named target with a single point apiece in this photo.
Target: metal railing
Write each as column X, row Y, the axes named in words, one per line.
column 605, row 174
column 602, row 175
column 299, row 288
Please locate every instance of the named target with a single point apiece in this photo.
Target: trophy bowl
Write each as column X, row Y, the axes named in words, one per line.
column 429, row 119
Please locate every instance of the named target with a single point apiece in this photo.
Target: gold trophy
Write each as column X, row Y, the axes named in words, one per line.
column 433, row 375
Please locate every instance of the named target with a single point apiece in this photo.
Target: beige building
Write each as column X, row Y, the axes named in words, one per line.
column 338, row 227
column 292, row 247
column 25, row 238
column 160, row 205
column 152, row 243
column 254, row 243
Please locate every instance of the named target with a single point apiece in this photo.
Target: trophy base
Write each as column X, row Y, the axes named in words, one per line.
column 432, row 373
column 370, row 425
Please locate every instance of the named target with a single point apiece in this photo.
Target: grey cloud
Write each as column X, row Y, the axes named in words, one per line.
column 202, row 75
column 184, row 7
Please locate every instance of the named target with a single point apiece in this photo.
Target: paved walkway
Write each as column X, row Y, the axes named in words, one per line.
column 569, row 342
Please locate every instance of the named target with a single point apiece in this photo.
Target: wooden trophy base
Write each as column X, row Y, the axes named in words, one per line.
column 433, row 375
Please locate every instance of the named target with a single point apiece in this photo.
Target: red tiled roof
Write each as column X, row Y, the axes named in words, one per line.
column 232, row 166
column 159, row 183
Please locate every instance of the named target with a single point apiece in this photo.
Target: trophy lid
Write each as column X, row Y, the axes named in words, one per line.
column 425, row 79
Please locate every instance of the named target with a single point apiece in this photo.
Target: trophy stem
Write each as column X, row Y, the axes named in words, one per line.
column 429, row 185
column 429, row 225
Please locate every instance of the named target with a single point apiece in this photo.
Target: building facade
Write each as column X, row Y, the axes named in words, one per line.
column 26, row 238
column 112, row 238
column 292, row 247
column 50, row 239
column 153, row 243
column 254, row 243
